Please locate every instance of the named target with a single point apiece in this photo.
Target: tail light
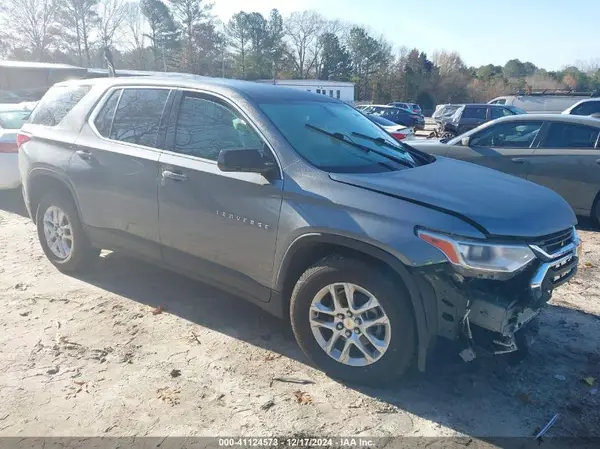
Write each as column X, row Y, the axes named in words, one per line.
column 8, row 147
column 399, row 136
column 22, row 139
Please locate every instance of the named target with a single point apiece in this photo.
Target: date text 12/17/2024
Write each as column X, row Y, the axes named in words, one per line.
column 296, row 442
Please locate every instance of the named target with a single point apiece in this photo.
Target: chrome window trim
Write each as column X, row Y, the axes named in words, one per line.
column 239, row 111
column 105, row 96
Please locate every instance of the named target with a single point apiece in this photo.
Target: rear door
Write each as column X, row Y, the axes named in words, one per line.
column 115, row 168
column 472, row 117
column 568, row 161
column 505, row 146
column 216, row 225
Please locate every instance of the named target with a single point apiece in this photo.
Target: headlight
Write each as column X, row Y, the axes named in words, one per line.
column 480, row 259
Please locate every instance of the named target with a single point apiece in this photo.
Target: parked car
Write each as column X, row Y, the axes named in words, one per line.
column 547, row 101
column 589, row 106
column 397, row 115
column 558, row 151
column 300, row 204
column 470, row 116
column 412, row 107
column 398, row 132
column 444, row 110
column 12, row 117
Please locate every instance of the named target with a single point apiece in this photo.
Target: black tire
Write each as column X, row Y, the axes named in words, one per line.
column 82, row 254
column 392, row 296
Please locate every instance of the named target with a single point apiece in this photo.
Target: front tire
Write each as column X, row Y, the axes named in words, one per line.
column 61, row 234
column 353, row 321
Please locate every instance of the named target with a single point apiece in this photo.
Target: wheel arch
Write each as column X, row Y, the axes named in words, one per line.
column 309, row 248
column 43, row 180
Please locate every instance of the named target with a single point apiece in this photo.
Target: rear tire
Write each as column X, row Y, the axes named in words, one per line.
column 382, row 365
column 61, row 234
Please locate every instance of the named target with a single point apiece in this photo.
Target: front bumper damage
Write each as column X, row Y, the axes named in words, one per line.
column 488, row 315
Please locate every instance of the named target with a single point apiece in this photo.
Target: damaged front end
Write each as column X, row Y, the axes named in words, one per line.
column 486, row 302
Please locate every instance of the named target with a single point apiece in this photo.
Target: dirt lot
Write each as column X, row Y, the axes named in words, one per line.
column 130, row 349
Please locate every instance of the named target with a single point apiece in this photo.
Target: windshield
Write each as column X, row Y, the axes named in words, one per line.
column 13, row 119
column 325, row 152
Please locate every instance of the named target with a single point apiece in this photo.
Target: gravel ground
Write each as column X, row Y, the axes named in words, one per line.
column 130, row 349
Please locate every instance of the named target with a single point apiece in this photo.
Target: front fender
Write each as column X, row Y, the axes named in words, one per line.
column 422, row 307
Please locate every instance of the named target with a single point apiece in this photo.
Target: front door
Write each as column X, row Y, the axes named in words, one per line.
column 215, row 225
column 115, row 169
column 568, row 161
column 506, row 147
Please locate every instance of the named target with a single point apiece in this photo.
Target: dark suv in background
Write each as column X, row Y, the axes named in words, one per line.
column 302, row 205
column 470, row 116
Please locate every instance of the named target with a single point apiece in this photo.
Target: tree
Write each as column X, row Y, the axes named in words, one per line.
column 514, row 69
column 134, row 35
column 78, row 17
column 111, row 16
column 303, row 31
column 335, row 59
column 238, row 32
column 32, row 24
column 162, row 34
column 448, row 62
column 190, row 14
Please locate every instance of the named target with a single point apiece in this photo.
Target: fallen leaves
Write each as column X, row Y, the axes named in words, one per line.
column 302, row 397
column 588, row 264
column 272, row 356
column 175, row 373
column 589, row 380
column 168, row 395
column 158, row 310
column 78, row 387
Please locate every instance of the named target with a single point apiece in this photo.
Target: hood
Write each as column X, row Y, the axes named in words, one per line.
column 495, row 203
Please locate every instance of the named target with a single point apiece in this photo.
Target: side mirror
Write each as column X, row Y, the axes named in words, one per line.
column 244, row 160
column 465, row 141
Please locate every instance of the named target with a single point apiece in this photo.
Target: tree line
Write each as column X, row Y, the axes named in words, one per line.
column 184, row 36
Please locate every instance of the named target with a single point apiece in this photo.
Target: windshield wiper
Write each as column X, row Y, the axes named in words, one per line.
column 342, row 138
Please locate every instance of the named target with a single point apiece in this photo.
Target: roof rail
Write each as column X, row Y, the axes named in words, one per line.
column 557, row 92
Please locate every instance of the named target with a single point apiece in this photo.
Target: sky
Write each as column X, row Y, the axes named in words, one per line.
column 550, row 33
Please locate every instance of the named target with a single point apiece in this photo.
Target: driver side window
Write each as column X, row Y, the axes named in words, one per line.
column 205, row 127
column 507, row 135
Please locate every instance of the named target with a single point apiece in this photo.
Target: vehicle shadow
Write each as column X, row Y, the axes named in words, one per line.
column 12, row 201
column 587, row 224
column 465, row 398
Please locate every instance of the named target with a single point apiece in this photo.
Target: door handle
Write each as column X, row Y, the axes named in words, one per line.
column 175, row 176
column 597, row 161
column 520, row 160
column 84, row 154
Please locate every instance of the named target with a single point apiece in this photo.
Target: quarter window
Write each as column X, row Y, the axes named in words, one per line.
column 507, row 135
column 205, row 127
column 57, row 103
column 104, row 119
column 567, row 135
column 138, row 115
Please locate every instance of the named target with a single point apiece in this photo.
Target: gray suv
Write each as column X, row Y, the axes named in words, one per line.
column 302, row 205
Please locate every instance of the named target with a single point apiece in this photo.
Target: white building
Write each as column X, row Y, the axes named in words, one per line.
column 335, row 89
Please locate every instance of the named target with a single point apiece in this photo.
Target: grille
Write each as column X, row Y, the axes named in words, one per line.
column 555, row 242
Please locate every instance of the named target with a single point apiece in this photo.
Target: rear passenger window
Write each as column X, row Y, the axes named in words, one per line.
column 478, row 113
column 499, row 112
column 205, row 127
column 567, row 135
column 57, row 103
column 104, row 119
column 138, row 115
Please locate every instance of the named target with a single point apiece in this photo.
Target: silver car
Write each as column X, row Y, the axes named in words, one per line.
column 558, row 151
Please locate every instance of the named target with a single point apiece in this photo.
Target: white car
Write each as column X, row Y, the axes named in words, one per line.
column 399, row 132
column 588, row 106
column 12, row 117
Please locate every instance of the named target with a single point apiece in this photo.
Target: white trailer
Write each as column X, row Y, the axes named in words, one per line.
column 336, row 89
